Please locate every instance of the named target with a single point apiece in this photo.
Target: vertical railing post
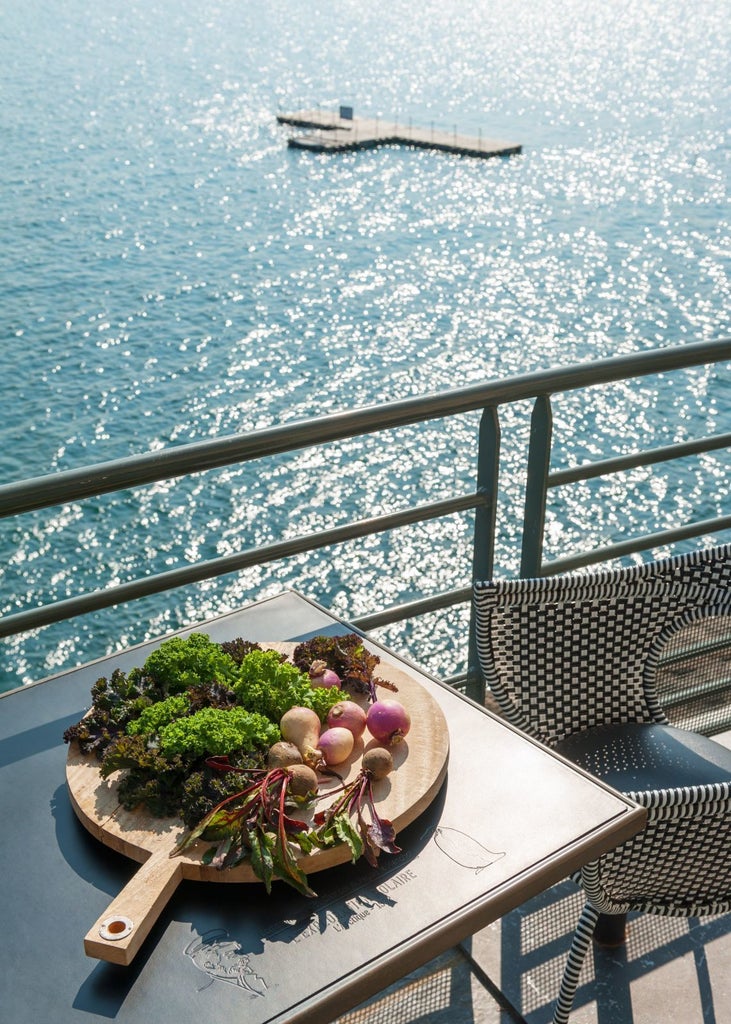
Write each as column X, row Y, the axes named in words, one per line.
column 483, row 558
column 539, row 459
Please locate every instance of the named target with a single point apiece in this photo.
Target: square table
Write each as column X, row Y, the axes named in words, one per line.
column 511, row 819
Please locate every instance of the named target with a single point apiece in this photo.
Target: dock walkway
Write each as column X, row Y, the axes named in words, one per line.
column 329, row 132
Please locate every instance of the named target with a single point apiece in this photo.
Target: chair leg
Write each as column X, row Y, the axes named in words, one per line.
column 577, row 953
column 611, row 930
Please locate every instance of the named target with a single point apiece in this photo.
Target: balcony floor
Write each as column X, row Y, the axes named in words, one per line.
column 509, row 973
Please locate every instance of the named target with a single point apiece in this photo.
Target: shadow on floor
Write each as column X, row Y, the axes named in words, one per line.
column 670, row 969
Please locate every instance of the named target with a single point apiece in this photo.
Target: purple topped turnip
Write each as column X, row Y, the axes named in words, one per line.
column 336, row 745
column 388, row 721
column 321, row 675
column 349, row 715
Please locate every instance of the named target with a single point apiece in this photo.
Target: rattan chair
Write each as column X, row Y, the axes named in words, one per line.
column 622, row 671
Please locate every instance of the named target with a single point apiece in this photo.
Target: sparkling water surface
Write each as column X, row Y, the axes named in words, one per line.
column 170, row 272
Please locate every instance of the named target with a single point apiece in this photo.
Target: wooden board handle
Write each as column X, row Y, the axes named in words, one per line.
column 126, row 923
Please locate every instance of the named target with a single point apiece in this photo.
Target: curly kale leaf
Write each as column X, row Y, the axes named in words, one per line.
column 180, row 663
column 120, row 691
column 238, row 648
column 147, row 777
column 156, row 716
column 205, row 789
column 131, row 752
column 265, row 666
column 158, row 791
column 115, row 702
column 215, row 732
column 92, row 733
column 210, row 695
column 320, row 699
column 270, row 685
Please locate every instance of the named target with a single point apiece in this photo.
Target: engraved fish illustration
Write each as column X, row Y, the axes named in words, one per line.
column 222, row 960
column 464, row 850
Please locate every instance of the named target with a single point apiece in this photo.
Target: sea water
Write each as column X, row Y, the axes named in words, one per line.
column 171, row 272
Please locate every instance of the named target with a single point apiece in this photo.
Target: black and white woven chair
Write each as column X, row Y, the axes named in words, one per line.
column 622, row 671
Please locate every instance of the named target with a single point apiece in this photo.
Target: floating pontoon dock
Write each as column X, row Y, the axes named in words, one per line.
column 330, row 132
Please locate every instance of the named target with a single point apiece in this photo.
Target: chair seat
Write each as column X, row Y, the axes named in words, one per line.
column 637, row 757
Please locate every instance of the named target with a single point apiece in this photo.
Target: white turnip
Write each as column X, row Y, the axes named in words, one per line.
column 301, row 726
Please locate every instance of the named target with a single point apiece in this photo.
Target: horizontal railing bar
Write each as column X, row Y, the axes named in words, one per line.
column 407, row 610
column 149, row 467
column 631, row 547
column 410, row 609
column 692, row 650
column 459, row 680
column 695, row 692
column 589, row 471
column 719, row 724
column 34, row 618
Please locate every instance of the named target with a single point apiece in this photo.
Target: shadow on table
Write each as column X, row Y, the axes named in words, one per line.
column 344, row 893
column 87, row 856
column 107, row 987
column 40, row 738
column 229, row 922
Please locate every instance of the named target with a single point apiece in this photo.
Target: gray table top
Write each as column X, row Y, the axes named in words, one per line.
column 497, row 833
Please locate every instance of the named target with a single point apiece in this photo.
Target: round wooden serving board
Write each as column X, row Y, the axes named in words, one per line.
column 421, row 765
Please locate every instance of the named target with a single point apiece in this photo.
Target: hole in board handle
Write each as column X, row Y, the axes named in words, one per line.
column 115, row 928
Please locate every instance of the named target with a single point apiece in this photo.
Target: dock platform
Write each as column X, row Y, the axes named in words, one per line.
column 328, row 132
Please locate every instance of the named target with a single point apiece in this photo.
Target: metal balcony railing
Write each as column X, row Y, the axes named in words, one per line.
column 538, row 387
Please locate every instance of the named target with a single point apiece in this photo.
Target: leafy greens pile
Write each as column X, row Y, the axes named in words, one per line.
column 190, row 731
column 192, row 700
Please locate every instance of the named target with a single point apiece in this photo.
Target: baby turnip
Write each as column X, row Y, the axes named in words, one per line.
column 388, row 721
column 321, row 675
column 301, row 726
column 283, row 754
column 348, row 715
column 336, row 745
column 303, row 780
column 378, row 763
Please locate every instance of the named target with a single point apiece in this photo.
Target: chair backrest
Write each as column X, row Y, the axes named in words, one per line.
column 565, row 653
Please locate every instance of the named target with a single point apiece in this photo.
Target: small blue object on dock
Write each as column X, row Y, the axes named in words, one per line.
column 333, row 133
